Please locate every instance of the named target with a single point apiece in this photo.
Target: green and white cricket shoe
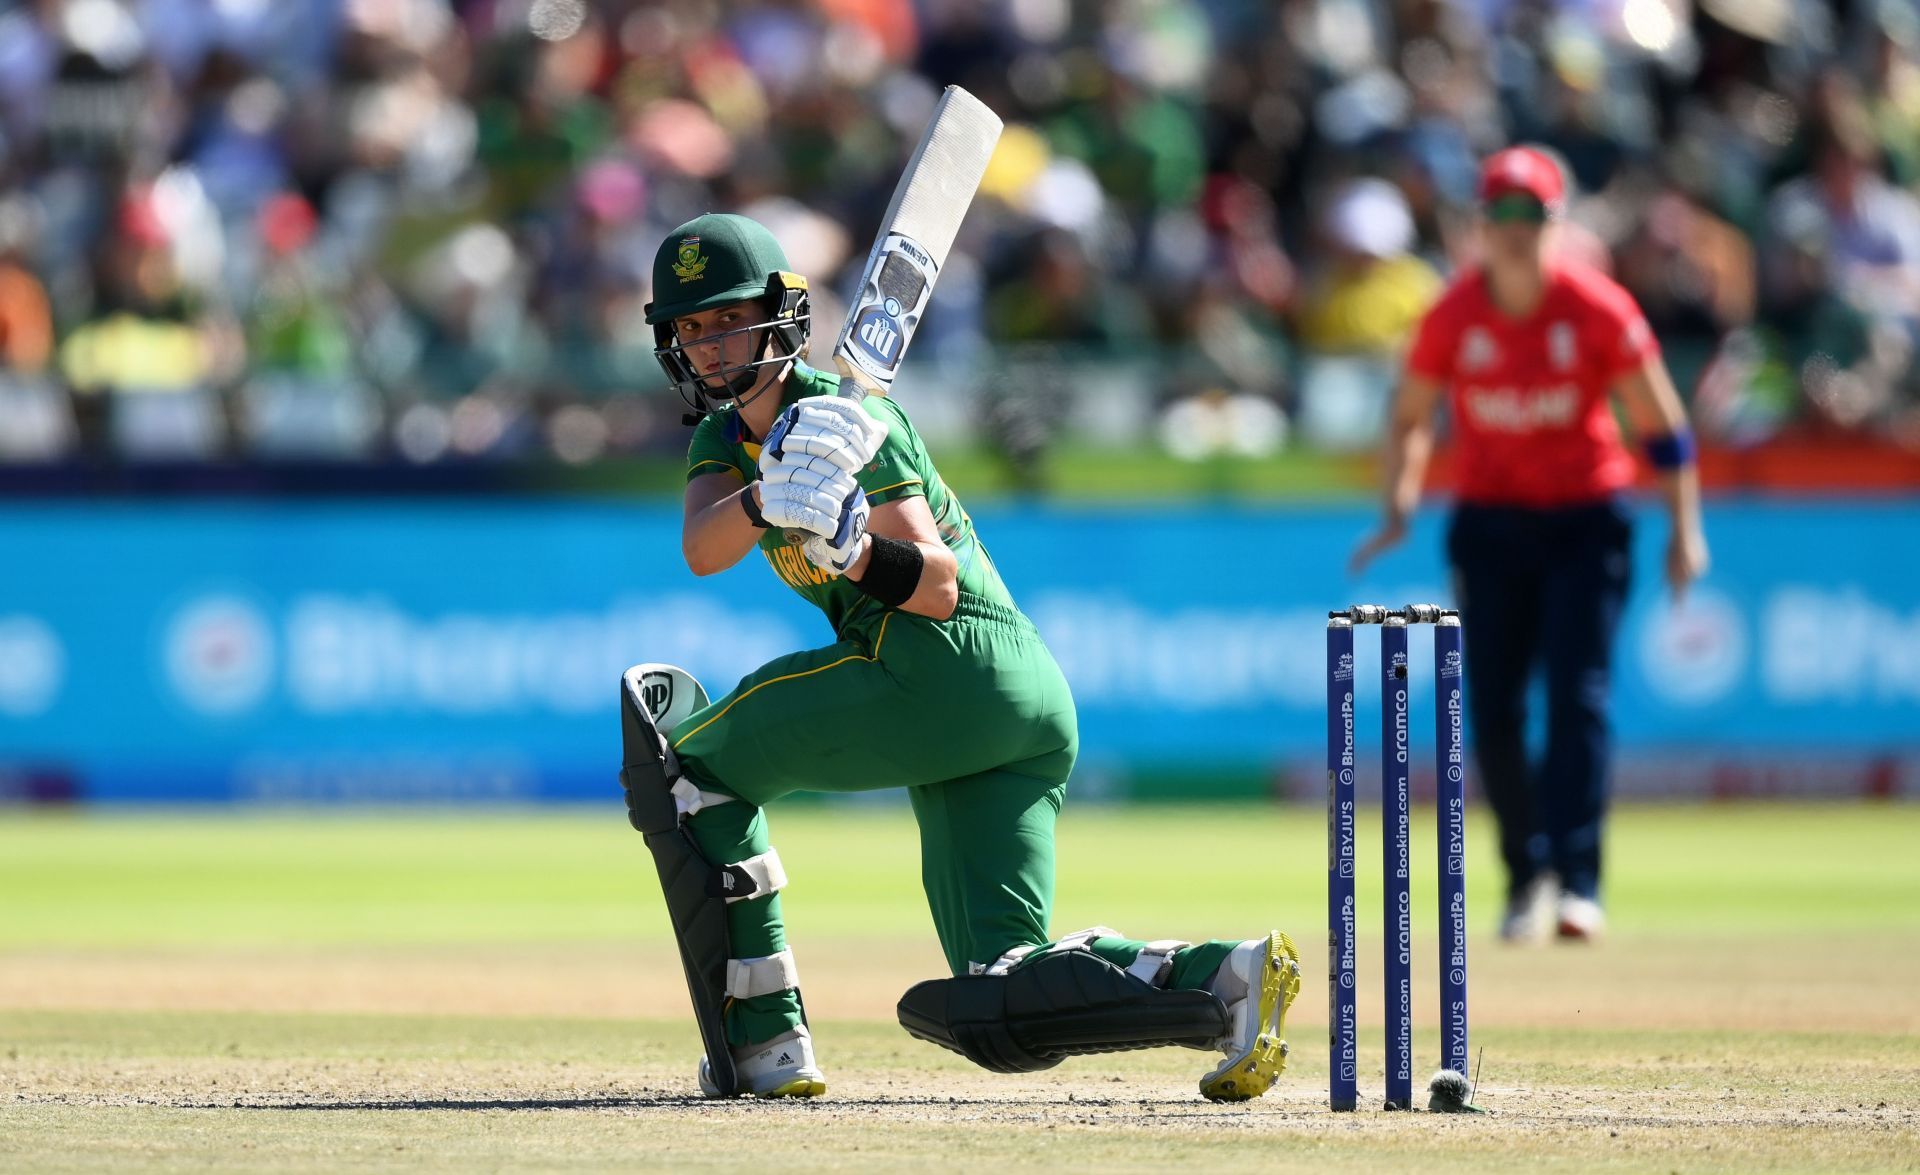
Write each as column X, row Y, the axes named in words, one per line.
column 781, row 1067
column 1257, row 983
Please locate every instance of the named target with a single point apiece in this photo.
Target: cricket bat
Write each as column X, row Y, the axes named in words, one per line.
column 924, row 215
column 922, row 219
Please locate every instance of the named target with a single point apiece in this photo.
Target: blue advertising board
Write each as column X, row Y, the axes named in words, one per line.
column 470, row 651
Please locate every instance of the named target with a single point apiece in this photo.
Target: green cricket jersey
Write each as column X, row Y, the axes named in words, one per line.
column 901, row 469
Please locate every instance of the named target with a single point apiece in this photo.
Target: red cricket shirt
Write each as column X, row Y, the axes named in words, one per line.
column 1533, row 423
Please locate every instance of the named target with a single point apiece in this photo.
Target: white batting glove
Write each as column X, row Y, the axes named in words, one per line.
column 839, row 550
column 823, row 430
column 791, row 506
column 814, row 475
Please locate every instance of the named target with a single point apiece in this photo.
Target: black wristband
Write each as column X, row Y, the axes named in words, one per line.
column 893, row 570
column 753, row 512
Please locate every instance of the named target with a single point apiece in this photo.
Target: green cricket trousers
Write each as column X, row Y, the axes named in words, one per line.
column 971, row 715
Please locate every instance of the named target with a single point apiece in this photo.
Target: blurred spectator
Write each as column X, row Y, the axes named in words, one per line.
column 150, row 360
column 35, row 422
column 1693, row 276
column 1058, row 295
column 1356, row 312
column 1371, row 289
column 1178, row 189
column 26, row 320
column 303, row 396
column 1871, row 228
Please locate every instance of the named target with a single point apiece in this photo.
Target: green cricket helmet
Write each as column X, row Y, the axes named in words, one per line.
column 712, row 261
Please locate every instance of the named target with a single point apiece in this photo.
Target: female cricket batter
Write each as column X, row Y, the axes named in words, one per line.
column 1531, row 351
column 935, row 682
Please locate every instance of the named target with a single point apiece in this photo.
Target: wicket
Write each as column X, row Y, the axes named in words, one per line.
column 1396, row 822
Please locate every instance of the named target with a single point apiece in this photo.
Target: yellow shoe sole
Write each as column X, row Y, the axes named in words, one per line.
column 1253, row 1073
column 803, row 1087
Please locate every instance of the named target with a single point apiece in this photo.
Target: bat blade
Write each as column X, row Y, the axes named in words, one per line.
column 921, row 221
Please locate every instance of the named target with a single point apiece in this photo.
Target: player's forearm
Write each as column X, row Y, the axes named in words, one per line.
column 717, row 536
column 938, row 589
column 1680, row 490
column 1409, row 450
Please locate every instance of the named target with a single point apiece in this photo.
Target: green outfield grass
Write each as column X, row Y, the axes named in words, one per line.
column 541, row 875
column 457, row 992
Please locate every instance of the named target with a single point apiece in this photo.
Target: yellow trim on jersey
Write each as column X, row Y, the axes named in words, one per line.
column 912, row 481
column 710, row 461
column 877, row 641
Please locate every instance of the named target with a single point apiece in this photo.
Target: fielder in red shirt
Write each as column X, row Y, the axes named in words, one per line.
column 1532, row 352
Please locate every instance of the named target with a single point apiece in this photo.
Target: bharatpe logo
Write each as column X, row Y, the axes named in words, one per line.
column 219, row 655
column 1695, row 654
column 1457, row 925
column 656, row 692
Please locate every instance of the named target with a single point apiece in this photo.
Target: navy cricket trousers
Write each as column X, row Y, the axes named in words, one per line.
column 1542, row 589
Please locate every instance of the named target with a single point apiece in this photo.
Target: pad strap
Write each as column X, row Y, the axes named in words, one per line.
column 752, row 878
column 688, row 799
column 747, row 978
column 1001, row 965
column 1155, row 961
column 1081, row 940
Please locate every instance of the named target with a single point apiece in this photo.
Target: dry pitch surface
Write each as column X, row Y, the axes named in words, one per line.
column 441, row 993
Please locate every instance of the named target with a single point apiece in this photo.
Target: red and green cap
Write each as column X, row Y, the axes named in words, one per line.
column 710, row 261
column 1523, row 171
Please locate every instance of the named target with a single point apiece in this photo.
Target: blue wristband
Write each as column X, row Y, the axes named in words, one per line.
column 1672, row 451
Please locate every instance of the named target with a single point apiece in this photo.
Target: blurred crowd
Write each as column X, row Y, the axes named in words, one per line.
column 420, row 230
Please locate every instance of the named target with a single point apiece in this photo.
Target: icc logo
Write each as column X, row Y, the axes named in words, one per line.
column 656, row 691
column 880, row 335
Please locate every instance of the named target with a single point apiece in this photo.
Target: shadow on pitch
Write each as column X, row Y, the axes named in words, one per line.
column 676, row 1101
